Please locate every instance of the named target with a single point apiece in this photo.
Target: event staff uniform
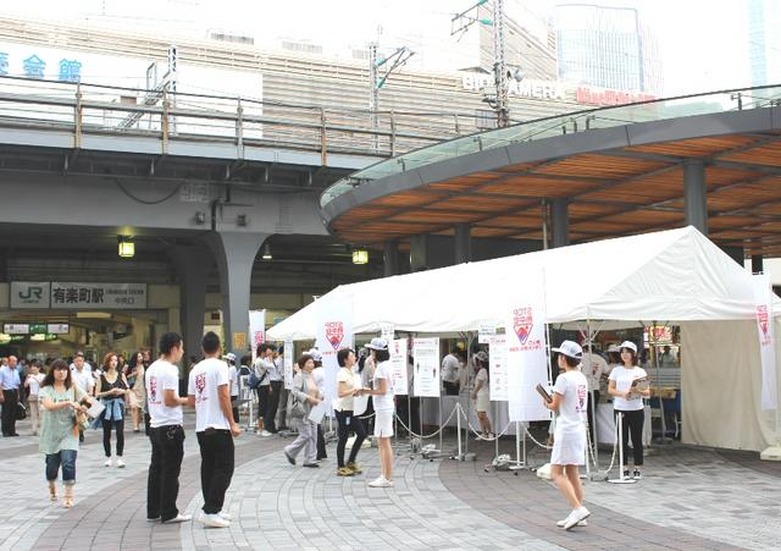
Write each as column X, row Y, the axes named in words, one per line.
column 166, row 435
column 633, row 410
column 383, row 403
column 213, row 431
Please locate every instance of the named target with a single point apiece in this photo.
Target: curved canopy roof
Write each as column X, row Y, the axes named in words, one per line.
column 620, row 168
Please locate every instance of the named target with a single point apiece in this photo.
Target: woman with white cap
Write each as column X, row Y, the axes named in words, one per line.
column 384, row 408
column 569, row 402
column 628, row 400
column 481, row 394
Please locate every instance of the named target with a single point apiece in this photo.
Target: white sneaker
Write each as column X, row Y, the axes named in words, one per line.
column 108, row 463
column 178, row 518
column 380, row 482
column 561, row 523
column 266, row 433
column 226, row 515
column 581, row 513
column 120, row 463
column 214, row 521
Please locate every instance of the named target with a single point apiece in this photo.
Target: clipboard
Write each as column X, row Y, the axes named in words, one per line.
column 544, row 393
column 640, row 385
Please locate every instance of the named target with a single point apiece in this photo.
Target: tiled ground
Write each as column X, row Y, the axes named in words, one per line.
column 689, row 499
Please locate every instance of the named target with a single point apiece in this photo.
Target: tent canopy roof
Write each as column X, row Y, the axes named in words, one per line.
column 668, row 276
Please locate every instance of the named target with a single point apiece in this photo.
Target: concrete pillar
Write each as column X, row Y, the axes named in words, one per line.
column 695, row 195
column 463, row 243
column 559, row 222
column 235, row 253
column 192, row 270
column 390, row 258
column 418, row 253
column 757, row 264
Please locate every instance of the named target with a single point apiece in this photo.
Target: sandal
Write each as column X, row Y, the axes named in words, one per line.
column 67, row 502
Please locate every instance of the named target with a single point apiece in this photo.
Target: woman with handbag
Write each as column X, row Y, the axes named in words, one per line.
column 112, row 390
column 59, row 441
column 305, row 395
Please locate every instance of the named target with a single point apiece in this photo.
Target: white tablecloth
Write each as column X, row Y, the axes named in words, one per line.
column 606, row 425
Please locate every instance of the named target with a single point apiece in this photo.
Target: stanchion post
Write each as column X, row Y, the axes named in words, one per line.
column 620, row 430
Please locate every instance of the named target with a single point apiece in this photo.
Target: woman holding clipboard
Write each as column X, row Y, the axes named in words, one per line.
column 628, row 384
column 569, row 401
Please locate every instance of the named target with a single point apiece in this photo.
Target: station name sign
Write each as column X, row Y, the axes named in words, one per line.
column 57, row 295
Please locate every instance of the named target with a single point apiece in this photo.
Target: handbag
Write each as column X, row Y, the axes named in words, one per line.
column 21, row 412
column 297, row 410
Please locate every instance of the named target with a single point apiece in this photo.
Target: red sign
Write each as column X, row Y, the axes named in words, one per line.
column 763, row 319
column 602, row 97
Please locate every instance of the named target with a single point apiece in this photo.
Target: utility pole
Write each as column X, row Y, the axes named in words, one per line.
column 500, row 68
column 460, row 24
column 380, row 68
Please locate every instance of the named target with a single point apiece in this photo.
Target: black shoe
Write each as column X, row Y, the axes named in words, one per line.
column 312, row 465
column 290, row 459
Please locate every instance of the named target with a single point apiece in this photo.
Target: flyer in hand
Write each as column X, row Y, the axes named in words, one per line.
column 640, row 385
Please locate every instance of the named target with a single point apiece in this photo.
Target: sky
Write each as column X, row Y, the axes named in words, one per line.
column 703, row 43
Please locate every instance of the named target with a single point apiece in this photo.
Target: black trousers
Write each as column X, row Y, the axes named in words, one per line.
column 633, row 424
column 347, row 423
column 162, row 485
column 273, row 404
column 119, row 427
column 593, row 400
column 321, row 453
column 451, row 389
column 217, row 461
column 9, row 412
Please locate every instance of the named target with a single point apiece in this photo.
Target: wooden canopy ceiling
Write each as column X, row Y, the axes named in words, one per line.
column 612, row 192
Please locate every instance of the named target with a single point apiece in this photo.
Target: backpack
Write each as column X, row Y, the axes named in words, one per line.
column 254, row 381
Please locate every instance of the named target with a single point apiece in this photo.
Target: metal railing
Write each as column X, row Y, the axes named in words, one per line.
column 578, row 121
column 96, row 110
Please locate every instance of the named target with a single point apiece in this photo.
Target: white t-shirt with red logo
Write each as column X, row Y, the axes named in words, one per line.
column 159, row 377
column 205, row 379
column 573, row 388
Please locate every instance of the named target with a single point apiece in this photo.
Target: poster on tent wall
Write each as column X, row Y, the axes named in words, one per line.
column 425, row 377
column 287, row 363
column 526, row 361
column 763, row 300
column 334, row 332
column 497, row 380
column 257, row 330
column 398, row 354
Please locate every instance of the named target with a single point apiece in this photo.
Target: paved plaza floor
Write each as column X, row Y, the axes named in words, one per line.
column 689, row 499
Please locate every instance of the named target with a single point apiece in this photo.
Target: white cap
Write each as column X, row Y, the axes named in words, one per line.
column 377, row 343
column 315, row 353
column 628, row 344
column 570, row 349
column 230, row 356
column 482, row 356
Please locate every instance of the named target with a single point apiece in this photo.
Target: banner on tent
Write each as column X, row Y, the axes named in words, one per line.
column 426, row 373
column 497, row 357
column 257, row 330
column 398, row 354
column 387, row 332
column 334, row 332
column 764, row 299
column 527, row 363
column 485, row 330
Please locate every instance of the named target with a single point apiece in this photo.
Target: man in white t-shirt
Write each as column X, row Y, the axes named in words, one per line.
column 451, row 372
column 166, row 433
column 595, row 368
column 209, row 391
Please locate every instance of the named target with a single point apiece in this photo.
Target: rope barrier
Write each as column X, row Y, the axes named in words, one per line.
column 479, row 434
column 422, row 437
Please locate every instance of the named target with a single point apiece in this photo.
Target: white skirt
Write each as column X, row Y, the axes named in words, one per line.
column 569, row 448
column 482, row 403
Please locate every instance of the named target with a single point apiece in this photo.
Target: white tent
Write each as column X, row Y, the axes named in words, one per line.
column 672, row 276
